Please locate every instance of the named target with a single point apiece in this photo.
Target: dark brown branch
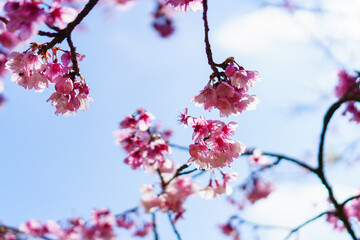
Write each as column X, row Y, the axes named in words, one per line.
column 320, row 170
column 73, row 55
column 306, row 223
column 207, row 41
column 350, row 199
column 64, row 33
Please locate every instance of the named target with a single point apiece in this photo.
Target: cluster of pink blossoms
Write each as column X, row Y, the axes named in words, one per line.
column 213, row 147
column 347, row 81
column 146, row 146
column 101, row 226
column 171, row 199
column 33, row 71
column 22, row 17
column 230, row 95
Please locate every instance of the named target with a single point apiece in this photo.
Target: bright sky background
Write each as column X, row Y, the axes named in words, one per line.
column 55, row 167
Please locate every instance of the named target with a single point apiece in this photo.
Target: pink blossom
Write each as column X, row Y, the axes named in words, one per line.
column 33, row 227
column 124, row 222
column 230, row 231
column 162, row 20
column 60, row 15
column 258, row 190
column 347, row 81
column 144, row 231
column 257, row 158
column 23, row 17
column 27, row 70
column 183, row 5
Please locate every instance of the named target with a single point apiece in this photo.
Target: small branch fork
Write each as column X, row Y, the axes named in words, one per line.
column 62, row 34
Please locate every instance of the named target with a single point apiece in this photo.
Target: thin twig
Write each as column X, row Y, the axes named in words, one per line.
column 156, row 235
column 131, row 210
column 173, row 227
column 305, row 223
column 207, row 41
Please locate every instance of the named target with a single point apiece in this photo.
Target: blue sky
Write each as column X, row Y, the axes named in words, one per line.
column 55, row 167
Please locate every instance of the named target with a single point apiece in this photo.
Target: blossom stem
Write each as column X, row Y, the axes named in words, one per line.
column 306, row 223
column 173, row 227
column 320, row 170
column 207, row 41
column 156, row 235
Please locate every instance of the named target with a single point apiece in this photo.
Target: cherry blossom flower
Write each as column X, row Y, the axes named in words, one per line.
column 60, row 15
column 257, row 158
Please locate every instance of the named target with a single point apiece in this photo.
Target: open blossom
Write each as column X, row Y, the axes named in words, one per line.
column 184, row 5
column 27, row 70
column 213, row 145
column 60, row 15
column 230, row 95
column 347, row 81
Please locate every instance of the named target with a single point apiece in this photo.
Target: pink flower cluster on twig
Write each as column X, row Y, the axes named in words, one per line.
column 213, row 147
column 37, row 71
column 230, row 94
column 146, row 147
column 346, row 82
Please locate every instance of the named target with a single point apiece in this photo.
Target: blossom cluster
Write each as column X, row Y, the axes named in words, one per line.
column 22, row 17
column 171, row 199
column 213, row 145
column 162, row 20
column 346, row 82
column 146, row 146
column 32, row 70
column 229, row 94
column 101, row 226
